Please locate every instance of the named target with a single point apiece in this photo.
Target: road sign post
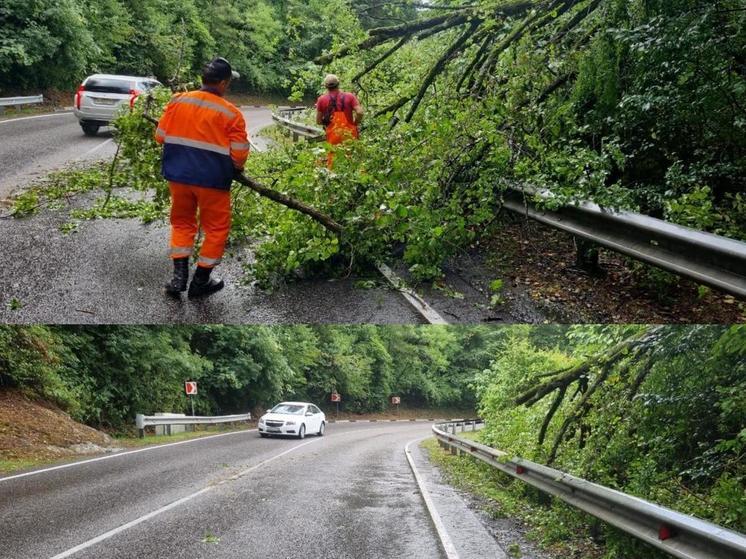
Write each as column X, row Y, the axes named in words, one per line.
column 190, row 387
column 396, row 400
column 336, row 398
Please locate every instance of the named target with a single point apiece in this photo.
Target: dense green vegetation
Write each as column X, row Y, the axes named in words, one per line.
column 56, row 43
column 104, row 375
column 634, row 104
column 656, row 411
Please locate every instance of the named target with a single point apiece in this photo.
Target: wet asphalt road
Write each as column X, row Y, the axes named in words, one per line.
column 349, row 494
column 112, row 271
column 30, row 147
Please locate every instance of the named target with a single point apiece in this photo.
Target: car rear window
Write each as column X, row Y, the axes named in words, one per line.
column 148, row 86
column 108, row 85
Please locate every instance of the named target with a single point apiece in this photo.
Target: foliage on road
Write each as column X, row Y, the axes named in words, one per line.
column 656, row 411
column 105, row 375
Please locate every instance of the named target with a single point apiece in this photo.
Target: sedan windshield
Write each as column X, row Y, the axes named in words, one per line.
column 288, row 409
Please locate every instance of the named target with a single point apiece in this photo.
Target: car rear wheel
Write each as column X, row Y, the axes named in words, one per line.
column 302, row 432
column 321, row 429
column 89, row 129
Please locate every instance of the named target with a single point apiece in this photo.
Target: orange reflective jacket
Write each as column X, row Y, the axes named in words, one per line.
column 204, row 139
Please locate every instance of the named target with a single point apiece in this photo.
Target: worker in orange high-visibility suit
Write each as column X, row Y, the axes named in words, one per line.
column 339, row 112
column 205, row 144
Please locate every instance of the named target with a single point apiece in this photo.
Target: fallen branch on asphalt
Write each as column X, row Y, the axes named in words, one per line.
column 281, row 198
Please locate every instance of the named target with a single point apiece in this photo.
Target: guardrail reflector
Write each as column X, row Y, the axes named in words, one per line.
column 520, row 470
column 665, row 532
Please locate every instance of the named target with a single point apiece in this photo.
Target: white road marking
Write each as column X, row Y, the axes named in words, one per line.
column 118, row 454
column 140, row 520
column 31, row 117
column 430, row 314
column 95, row 149
column 445, row 539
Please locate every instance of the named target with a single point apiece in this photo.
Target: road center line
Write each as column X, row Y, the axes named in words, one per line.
column 32, row 117
column 118, row 454
column 445, row 539
column 95, row 149
column 140, row 520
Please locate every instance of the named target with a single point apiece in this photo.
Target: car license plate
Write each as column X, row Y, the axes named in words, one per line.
column 100, row 101
column 273, row 429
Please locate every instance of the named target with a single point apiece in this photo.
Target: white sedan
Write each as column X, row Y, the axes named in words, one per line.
column 292, row 418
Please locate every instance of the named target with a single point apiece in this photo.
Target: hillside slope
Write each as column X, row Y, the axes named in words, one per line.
column 34, row 430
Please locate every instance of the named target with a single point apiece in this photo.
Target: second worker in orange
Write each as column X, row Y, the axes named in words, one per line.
column 205, row 144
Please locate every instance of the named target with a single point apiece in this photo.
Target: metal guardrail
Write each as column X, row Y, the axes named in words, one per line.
column 288, row 112
column 680, row 535
column 298, row 129
column 13, row 101
column 143, row 421
column 706, row 258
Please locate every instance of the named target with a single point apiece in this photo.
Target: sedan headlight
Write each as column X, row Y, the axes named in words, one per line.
column 261, row 420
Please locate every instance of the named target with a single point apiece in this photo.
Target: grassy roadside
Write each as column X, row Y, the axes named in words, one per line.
column 150, row 440
column 8, row 466
column 554, row 527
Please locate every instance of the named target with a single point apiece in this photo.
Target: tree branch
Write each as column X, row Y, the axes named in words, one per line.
column 438, row 67
column 382, row 35
column 535, row 21
column 550, row 414
column 373, row 65
column 575, row 20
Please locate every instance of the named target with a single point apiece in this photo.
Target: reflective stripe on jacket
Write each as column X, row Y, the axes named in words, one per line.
column 204, row 139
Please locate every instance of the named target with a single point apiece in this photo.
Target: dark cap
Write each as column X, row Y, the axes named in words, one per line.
column 219, row 69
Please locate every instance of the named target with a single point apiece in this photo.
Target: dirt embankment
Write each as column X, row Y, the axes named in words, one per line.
column 34, row 430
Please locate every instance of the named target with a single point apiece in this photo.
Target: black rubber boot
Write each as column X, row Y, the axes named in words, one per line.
column 202, row 284
column 181, row 276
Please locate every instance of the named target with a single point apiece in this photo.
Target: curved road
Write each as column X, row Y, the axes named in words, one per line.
column 33, row 146
column 349, row 494
column 112, row 271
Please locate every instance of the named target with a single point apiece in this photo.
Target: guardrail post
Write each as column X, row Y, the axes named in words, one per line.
column 140, row 423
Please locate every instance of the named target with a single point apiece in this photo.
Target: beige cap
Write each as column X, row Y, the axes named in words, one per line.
column 331, row 81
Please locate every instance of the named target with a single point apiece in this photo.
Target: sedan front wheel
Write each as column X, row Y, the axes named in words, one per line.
column 302, row 431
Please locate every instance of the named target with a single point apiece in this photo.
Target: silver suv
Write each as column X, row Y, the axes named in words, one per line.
column 100, row 95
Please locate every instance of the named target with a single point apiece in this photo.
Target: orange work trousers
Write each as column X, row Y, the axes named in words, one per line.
column 214, row 207
column 338, row 131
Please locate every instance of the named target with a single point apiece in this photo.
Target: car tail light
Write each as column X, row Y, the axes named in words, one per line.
column 133, row 95
column 79, row 96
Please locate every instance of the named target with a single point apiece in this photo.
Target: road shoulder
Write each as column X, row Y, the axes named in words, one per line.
column 467, row 532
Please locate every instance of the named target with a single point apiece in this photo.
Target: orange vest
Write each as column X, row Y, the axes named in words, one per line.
column 204, row 139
